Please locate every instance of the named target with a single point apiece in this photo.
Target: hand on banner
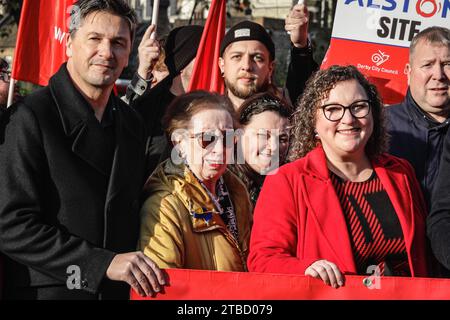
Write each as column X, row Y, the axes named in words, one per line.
column 296, row 24
column 148, row 53
column 139, row 271
column 327, row 271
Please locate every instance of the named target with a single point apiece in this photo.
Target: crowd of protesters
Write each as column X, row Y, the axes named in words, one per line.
column 317, row 178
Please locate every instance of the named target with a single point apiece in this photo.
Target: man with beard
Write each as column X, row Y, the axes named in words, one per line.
column 247, row 59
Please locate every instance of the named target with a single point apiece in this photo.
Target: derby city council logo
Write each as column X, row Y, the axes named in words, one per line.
column 379, row 58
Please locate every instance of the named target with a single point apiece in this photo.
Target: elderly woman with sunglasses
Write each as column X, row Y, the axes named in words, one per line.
column 197, row 214
column 342, row 206
column 264, row 140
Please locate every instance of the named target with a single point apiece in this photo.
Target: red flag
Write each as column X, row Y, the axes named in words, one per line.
column 206, row 73
column 41, row 44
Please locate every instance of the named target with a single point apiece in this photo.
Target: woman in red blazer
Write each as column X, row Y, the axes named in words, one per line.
column 343, row 206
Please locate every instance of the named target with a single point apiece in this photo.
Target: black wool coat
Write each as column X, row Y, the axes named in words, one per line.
column 60, row 203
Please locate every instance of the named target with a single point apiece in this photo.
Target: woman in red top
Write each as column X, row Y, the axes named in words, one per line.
column 343, row 206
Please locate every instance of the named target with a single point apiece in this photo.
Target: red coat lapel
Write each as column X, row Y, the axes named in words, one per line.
column 326, row 209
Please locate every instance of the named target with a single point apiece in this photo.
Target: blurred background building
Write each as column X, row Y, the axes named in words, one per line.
column 173, row 13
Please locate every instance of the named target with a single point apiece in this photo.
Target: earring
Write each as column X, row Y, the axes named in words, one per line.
column 181, row 154
column 316, row 135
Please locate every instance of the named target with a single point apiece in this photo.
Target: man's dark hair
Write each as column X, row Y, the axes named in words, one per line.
column 82, row 8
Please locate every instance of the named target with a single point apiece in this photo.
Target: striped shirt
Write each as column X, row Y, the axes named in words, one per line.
column 374, row 228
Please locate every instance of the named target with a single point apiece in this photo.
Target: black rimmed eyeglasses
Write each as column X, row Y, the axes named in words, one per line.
column 335, row 111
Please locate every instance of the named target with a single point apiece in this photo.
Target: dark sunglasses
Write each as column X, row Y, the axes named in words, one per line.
column 206, row 139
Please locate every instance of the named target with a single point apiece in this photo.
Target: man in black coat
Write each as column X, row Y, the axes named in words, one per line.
column 71, row 168
column 419, row 124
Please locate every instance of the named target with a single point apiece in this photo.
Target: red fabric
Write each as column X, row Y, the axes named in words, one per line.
column 40, row 47
column 298, row 218
column 213, row 285
column 386, row 71
column 206, row 73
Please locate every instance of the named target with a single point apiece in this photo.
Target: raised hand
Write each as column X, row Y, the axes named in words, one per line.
column 148, row 53
column 296, row 24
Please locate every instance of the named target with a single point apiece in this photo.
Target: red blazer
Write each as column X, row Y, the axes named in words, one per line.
column 298, row 217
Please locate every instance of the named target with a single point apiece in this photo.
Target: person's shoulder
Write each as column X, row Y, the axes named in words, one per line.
column 290, row 171
column 392, row 162
column 32, row 104
column 398, row 109
column 234, row 179
column 397, row 116
column 162, row 180
column 39, row 98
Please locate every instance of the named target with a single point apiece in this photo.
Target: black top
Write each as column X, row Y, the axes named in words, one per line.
column 438, row 221
column 418, row 138
column 61, row 203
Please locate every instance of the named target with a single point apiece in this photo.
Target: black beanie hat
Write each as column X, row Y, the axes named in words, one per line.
column 181, row 47
column 248, row 30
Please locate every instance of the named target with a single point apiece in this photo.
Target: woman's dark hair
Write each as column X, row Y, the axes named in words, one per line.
column 82, row 8
column 184, row 107
column 318, row 89
column 261, row 102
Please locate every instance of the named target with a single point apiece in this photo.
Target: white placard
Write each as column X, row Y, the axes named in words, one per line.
column 391, row 22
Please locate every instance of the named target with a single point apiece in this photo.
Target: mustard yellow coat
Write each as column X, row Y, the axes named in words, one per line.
column 174, row 238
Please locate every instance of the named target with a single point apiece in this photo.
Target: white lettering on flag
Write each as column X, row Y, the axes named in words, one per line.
column 59, row 35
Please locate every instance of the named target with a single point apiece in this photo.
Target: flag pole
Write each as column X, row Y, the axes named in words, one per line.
column 155, row 17
column 10, row 92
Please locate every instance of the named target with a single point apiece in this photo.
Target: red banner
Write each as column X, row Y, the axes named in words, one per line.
column 213, row 285
column 41, row 40
column 206, row 73
column 383, row 65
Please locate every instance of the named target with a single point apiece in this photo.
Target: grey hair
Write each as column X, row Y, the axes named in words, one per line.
column 82, row 8
column 433, row 35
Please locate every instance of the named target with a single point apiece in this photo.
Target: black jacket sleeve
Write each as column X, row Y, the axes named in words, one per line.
column 438, row 221
column 27, row 234
column 300, row 68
